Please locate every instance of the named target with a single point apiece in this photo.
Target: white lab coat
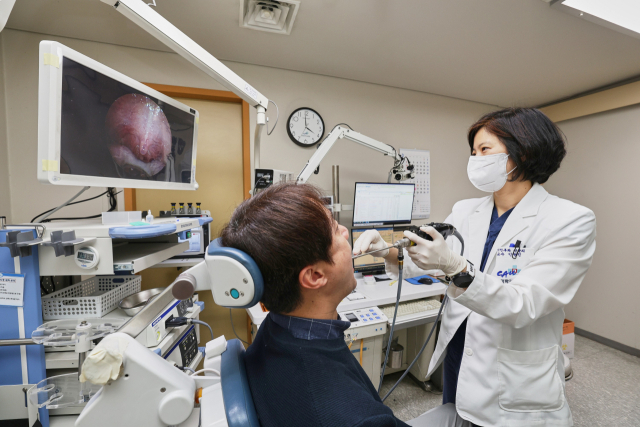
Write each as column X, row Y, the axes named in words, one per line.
column 512, row 371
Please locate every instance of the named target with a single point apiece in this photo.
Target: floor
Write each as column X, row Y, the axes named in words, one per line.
column 604, row 391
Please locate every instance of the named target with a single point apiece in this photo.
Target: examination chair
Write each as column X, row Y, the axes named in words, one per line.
column 152, row 392
column 238, row 403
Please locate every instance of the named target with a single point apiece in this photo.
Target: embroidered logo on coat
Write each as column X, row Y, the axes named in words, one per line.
column 509, row 272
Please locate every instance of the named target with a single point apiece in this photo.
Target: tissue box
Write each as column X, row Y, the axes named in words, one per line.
column 568, row 338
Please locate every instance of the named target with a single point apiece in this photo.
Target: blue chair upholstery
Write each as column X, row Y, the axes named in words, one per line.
column 238, row 402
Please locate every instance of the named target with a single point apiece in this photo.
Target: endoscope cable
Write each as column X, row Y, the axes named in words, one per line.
column 435, row 323
column 395, row 313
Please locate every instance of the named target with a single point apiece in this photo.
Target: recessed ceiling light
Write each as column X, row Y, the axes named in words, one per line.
column 620, row 15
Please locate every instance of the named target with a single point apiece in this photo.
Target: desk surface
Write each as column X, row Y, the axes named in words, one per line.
column 382, row 293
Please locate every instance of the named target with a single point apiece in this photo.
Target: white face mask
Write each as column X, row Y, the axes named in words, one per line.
column 488, row 173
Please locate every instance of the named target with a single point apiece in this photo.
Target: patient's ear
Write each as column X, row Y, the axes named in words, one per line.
column 313, row 277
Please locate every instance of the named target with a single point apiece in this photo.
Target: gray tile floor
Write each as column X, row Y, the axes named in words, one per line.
column 604, row 391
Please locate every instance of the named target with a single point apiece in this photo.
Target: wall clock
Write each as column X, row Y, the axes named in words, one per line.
column 305, row 127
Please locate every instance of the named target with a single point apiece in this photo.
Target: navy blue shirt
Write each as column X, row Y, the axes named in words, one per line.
column 453, row 359
column 301, row 373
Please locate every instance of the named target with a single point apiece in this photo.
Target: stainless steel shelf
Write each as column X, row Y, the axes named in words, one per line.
column 135, row 257
column 179, row 262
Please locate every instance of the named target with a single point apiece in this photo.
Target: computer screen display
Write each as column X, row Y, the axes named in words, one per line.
column 382, row 204
column 109, row 129
column 369, row 262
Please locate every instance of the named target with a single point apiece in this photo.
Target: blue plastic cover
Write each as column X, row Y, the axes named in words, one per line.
column 204, row 220
column 216, row 249
column 142, row 232
column 414, row 280
column 238, row 402
column 201, row 304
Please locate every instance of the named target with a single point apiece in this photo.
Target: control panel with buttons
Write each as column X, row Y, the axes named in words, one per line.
column 185, row 351
column 365, row 323
column 184, row 306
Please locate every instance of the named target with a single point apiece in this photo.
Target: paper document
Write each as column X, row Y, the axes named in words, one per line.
column 420, row 159
column 11, row 289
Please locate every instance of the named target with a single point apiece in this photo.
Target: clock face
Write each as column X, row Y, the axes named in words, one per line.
column 305, row 127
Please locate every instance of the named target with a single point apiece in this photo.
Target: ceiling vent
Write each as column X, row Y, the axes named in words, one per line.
column 266, row 15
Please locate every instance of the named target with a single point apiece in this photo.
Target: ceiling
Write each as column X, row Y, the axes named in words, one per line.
column 500, row 52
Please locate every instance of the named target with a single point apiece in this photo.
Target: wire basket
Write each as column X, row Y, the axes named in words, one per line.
column 93, row 297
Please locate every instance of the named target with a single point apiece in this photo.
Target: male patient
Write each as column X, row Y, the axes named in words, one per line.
column 300, row 371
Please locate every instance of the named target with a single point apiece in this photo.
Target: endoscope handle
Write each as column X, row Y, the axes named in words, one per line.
column 445, row 229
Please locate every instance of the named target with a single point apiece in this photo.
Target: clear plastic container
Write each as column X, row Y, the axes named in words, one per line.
column 61, row 333
column 61, row 391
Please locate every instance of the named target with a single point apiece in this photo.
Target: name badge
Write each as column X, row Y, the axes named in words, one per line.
column 514, row 250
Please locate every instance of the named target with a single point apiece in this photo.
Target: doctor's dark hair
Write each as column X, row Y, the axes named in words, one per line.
column 285, row 228
column 533, row 141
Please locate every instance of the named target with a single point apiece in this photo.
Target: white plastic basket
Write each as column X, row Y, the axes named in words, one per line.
column 93, row 297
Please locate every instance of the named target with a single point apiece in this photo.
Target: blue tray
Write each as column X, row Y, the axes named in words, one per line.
column 141, row 232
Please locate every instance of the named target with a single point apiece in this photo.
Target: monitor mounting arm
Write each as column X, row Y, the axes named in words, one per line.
column 153, row 23
column 397, row 172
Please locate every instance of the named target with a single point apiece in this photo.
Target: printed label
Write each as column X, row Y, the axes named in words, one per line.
column 11, row 289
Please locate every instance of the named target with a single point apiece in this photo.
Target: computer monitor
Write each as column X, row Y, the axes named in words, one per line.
column 382, row 204
column 98, row 127
column 371, row 264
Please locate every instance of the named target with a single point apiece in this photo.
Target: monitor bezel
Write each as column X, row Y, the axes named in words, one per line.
column 383, row 223
column 50, row 116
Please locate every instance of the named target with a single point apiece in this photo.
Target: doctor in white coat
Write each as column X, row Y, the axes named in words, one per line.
column 526, row 253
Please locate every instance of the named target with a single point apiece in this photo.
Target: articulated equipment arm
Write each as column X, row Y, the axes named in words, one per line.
column 398, row 171
column 153, row 23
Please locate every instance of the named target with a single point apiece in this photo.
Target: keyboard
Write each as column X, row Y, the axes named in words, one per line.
column 410, row 307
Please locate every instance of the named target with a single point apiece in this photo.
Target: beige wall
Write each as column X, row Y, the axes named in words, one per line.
column 220, row 179
column 404, row 119
column 599, row 172
column 5, row 199
column 399, row 117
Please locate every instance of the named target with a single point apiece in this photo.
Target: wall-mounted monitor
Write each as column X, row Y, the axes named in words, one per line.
column 98, row 127
column 378, row 203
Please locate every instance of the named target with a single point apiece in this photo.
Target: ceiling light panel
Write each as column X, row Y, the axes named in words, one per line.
column 620, row 15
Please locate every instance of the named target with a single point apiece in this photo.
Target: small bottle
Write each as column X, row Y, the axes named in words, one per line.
column 149, row 216
column 173, row 209
column 198, row 210
column 190, row 208
column 181, row 211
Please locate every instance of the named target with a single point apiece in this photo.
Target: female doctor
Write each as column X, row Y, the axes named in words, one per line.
column 525, row 255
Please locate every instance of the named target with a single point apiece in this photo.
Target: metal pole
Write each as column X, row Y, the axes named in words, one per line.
column 81, row 358
column 335, row 171
column 18, row 341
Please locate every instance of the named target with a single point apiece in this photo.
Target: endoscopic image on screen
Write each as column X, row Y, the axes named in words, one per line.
column 109, row 129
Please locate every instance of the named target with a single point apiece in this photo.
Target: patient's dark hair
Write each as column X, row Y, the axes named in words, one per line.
column 285, row 228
